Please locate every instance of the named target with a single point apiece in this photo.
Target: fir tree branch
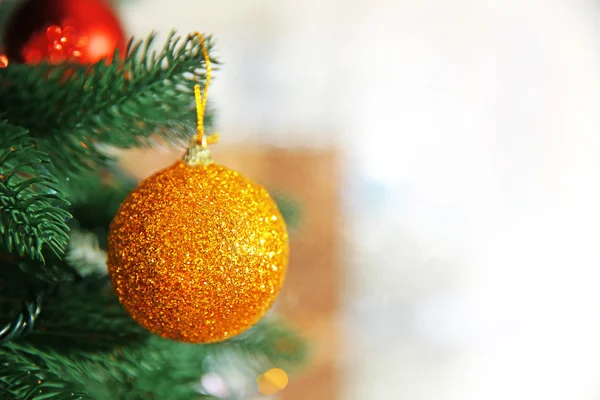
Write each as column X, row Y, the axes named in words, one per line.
column 273, row 340
column 23, row 285
column 173, row 370
column 85, row 315
column 95, row 198
column 5, row 393
column 27, row 377
column 121, row 104
column 85, row 339
column 150, row 372
column 24, row 321
column 290, row 210
column 32, row 215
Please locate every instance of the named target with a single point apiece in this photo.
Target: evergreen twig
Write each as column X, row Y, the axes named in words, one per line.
column 122, row 103
column 33, row 214
column 27, row 377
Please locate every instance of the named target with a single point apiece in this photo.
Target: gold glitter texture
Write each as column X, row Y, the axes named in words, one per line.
column 197, row 253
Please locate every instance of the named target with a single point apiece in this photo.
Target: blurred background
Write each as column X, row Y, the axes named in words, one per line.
column 444, row 157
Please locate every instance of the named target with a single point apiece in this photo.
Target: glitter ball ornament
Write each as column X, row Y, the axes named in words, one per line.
column 197, row 252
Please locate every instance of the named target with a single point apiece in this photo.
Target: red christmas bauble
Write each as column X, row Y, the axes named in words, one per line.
column 84, row 31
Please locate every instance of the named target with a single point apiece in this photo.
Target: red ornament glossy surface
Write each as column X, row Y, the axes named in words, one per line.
column 85, row 31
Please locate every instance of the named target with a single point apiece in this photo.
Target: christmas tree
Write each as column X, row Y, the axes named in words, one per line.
column 63, row 332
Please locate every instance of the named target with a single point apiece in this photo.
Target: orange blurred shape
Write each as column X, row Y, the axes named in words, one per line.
column 272, row 381
column 3, row 61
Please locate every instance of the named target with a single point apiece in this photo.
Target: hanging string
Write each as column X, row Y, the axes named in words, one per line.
column 202, row 98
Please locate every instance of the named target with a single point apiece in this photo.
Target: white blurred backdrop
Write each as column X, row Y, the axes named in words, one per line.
column 471, row 130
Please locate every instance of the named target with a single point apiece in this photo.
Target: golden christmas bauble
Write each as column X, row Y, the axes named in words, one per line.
column 197, row 253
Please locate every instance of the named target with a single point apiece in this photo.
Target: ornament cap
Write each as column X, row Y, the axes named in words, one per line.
column 198, row 154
